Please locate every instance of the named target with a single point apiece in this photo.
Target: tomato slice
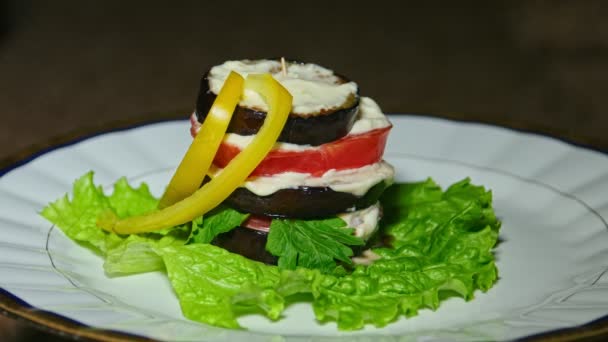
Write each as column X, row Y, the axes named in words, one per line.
column 261, row 223
column 350, row 152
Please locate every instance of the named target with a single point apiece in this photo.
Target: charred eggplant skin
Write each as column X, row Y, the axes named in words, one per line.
column 247, row 242
column 303, row 202
column 310, row 130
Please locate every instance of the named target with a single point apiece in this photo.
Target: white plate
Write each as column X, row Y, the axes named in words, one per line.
column 553, row 260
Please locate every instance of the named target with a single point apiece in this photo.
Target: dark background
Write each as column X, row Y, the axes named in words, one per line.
column 534, row 65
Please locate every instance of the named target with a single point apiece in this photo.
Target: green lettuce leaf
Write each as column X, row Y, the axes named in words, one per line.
column 405, row 280
column 123, row 254
column 315, row 244
column 77, row 218
column 127, row 201
column 403, row 195
column 428, row 219
column 140, row 253
column 215, row 286
column 441, row 246
column 207, row 278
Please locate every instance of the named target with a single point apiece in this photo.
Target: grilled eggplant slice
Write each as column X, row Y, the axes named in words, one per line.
column 247, row 242
column 312, row 130
column 302, row 202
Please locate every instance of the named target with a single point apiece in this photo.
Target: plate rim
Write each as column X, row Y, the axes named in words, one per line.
column 17, row 308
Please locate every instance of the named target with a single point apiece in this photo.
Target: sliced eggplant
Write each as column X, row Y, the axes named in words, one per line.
column 251, row 243
column 247, row 242
column 312, row 130
column 302, row 202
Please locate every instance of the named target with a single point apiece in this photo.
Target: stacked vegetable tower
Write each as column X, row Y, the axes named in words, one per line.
column 327, row 162
column 286, row 167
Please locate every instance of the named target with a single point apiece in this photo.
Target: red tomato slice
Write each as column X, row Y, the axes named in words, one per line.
column 261, row 223
column 349, row 152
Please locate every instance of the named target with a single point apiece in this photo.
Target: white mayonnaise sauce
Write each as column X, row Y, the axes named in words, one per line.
column 313, row 87
column 354, row 181
column 364, row 221
column 369, row 117
column 366, row 258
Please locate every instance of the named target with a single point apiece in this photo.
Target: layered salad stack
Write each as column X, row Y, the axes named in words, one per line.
column 327, row 161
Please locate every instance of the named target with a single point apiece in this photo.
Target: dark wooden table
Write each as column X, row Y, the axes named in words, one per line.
column 67, row 68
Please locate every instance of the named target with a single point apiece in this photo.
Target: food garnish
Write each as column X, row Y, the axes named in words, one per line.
column 191, row 171
column 221, row 186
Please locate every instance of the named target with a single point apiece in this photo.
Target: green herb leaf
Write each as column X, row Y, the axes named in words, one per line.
column 315, row 244
column 219, row 220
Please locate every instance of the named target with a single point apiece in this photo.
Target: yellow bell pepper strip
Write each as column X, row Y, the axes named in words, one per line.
column 193, row 167
column 231, row 177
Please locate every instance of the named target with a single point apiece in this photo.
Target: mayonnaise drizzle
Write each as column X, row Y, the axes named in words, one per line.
column 364, row 221
column 355, row 181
